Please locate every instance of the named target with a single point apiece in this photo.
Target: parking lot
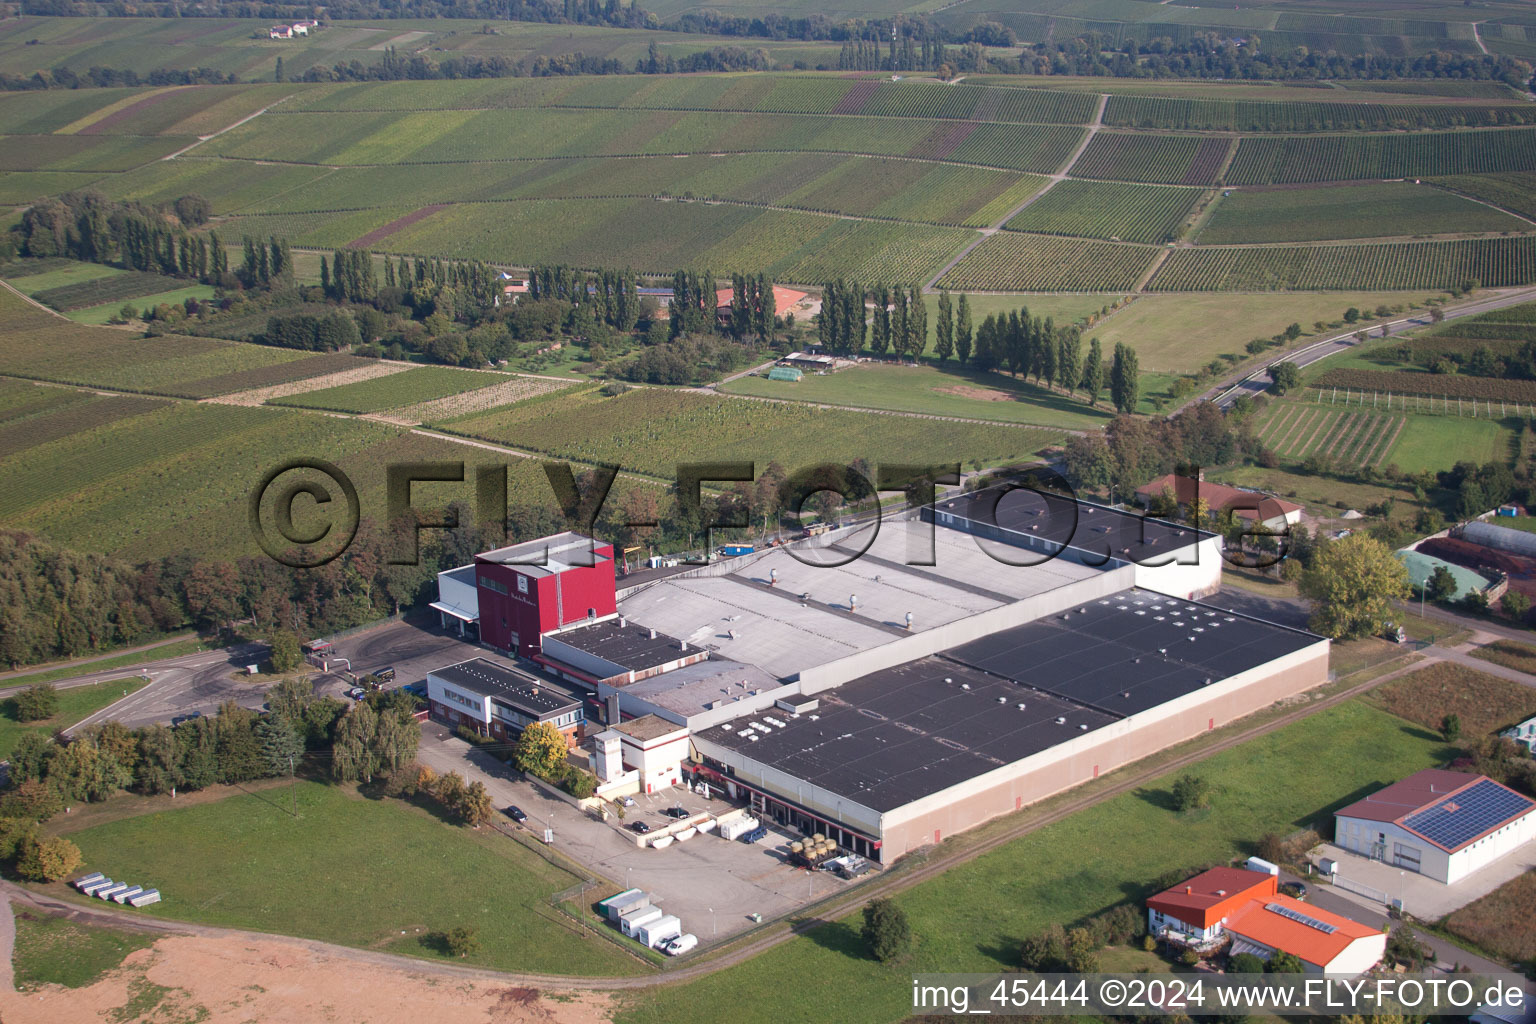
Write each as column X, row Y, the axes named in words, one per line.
column 713, row 885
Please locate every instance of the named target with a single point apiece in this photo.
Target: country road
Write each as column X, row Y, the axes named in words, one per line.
column 1252, row 382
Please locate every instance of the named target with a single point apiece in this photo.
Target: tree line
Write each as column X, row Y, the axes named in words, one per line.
column 894, row 319
column 1218, row 55
column 96, row 77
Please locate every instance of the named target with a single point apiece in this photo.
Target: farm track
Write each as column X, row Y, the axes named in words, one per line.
column 29, row 300
column 1052, row 180
column 229, row 127
column 774, row 934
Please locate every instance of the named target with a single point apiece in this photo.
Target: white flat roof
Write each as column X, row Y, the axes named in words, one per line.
column 772, row 632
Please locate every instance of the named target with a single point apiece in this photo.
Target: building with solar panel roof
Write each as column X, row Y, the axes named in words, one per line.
column 1443, row 824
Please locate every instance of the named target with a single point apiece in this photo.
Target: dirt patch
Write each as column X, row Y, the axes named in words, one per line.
column 976, row 394
column 857, row 95
column 943, row 140
column 125, row 113
column 256, row 396
column 379, row 234
column 1482, row 701
column 235, row 980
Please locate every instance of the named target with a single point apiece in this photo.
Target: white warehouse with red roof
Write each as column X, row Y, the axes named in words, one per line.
column 1442, row 824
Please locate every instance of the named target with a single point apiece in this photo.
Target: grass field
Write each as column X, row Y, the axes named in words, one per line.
column 423, row 384
column 651, row 431
column 100, row 314
column 1348, row 211
column 1322, row 495
column 1484, row 703
column 974, row 916
column 75, row 703
column 1521, row 657
column 353, row 870
column 943, row 392
column 55, row 951
column 1184, row 332
column 1502, row 922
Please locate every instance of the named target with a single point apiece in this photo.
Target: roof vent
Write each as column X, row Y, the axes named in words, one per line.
column 1061, row 721
column 653, row 634
column 1021, row 705
column 1002, row 700
column 1084, row 727
column 622, row 622
column 948, row 680
column 965, row 686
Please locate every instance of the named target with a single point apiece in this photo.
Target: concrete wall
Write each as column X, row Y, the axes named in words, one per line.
column 463, row 596
column 1198, row 577
column 1078, row 760
column 961, row 631
column 1359, row 956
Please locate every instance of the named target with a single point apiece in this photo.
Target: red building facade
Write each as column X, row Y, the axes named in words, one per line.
column 529, row 589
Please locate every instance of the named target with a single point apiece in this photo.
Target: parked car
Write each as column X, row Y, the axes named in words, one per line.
column 386, row 674
column 639, row 828
column 676, row 812
column 357, row 693
column 681, row 944
column 1394, row 633
column 757, row 835
column 1295, row 890
column 517, row 814
column 188, row 717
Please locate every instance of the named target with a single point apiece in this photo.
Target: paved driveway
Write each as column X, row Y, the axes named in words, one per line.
column 1423, row 897
column 710, row 883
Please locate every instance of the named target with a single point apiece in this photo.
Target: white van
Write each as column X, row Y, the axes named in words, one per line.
column 680, row 945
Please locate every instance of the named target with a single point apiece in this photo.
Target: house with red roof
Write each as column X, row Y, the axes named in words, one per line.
column 1195, row 912
column 1245, row 908
column 1249, row 506
column 1324, row 942
column 1442, row 824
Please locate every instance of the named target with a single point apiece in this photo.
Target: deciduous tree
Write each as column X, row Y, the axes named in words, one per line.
column 1353, row 584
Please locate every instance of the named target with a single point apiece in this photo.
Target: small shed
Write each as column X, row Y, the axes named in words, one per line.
column 788, row 373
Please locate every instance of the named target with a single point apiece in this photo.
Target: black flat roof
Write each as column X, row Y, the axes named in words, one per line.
column 887, row 739
column 631, row 646
column 896, row 735
column 1051, row 521
column 530, row 695
column 1131, row 651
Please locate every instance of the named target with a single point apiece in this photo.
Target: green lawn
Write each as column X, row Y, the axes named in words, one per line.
column 1181, row 333
column 972, row 917
column 53, row 951
column 75, row 703
column 948, row 392
column 107, row 310
column 351, row 870
column 1438, row 442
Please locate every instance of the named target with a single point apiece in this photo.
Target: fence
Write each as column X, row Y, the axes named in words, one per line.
column 1361, row 889
column 1429, row 405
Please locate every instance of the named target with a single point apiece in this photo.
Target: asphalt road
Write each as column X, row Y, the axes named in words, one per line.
column 1258, row 380
column 201, row 682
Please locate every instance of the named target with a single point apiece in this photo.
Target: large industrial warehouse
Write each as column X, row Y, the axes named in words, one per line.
column 926, row 675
